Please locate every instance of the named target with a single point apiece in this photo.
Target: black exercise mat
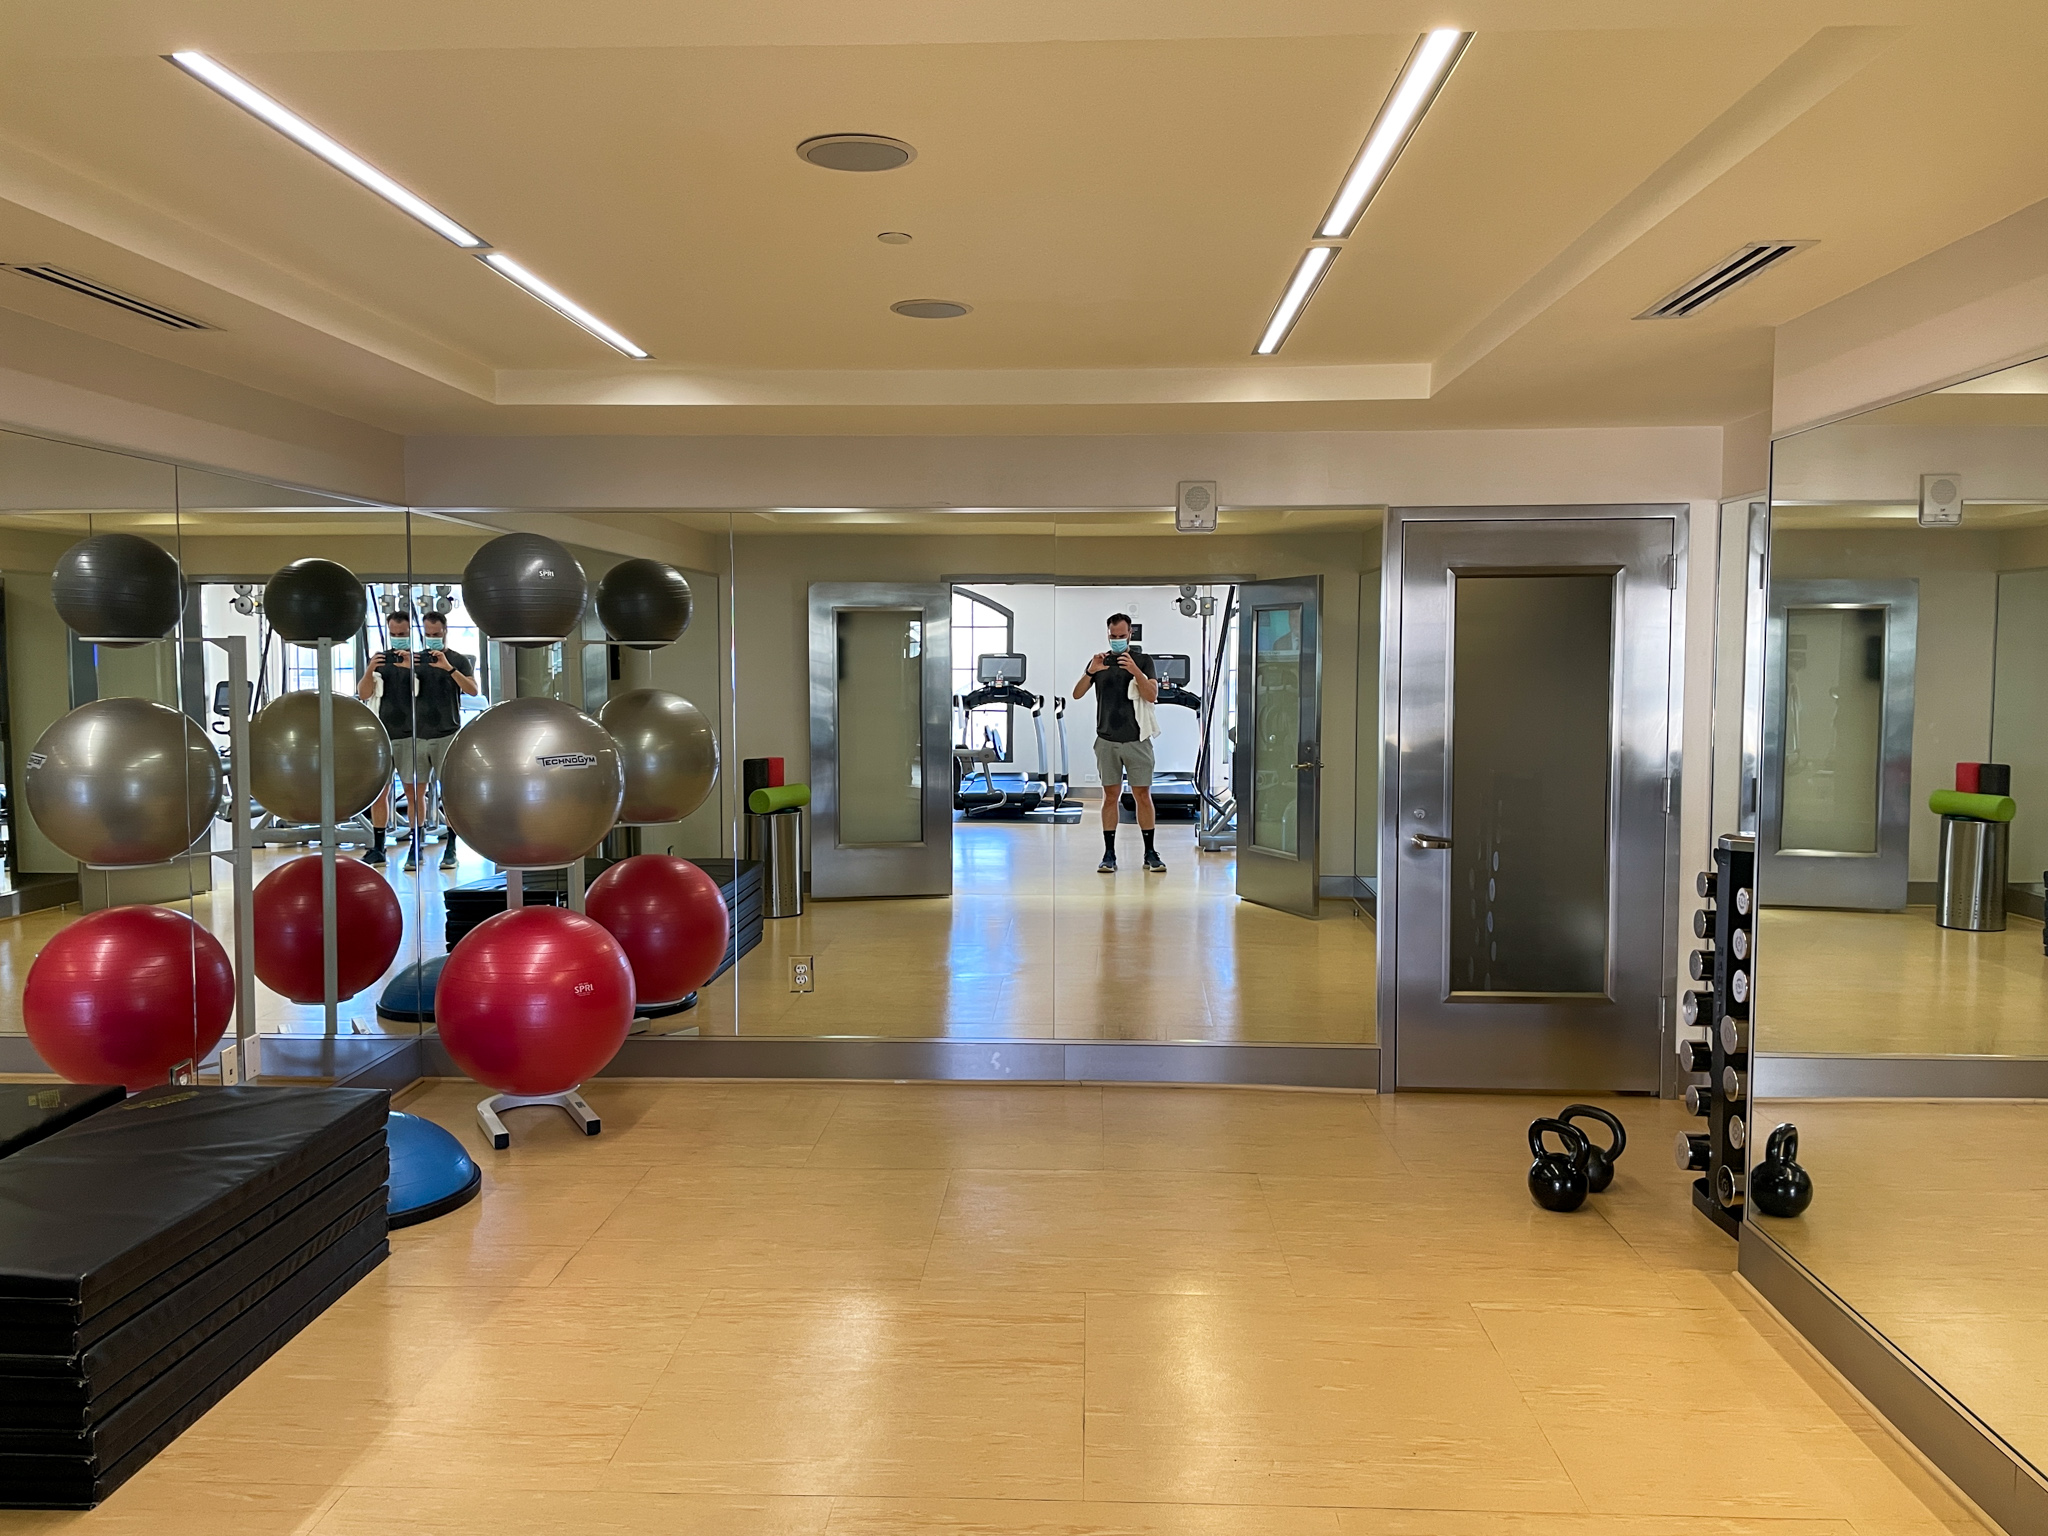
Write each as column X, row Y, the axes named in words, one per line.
column 89, row 1214
column 33, row 1386
column 55, row 1482
column 51, row 1328
column 157, row 1395
column 29, row 1112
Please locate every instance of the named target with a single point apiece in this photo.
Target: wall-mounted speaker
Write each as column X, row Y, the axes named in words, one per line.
column 1941, row 501
column 1194, row 510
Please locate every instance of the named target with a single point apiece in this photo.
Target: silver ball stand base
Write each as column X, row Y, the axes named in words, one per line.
column 570, row 1104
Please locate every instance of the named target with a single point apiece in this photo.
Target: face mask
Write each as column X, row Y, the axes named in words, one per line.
column 1118, row 647
column 400, row 643
column 436, row 643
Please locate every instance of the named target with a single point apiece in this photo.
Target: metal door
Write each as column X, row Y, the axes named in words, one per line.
column 1278, row 762
column 1837, row 776
column 881, row 739
column 1526, row 818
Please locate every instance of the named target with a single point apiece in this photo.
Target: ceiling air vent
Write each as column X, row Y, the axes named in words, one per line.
column 43, row 272
column 1722, row 278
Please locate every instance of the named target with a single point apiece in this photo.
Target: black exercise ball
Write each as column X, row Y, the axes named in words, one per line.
column 645, row 604
column 117, row 589
column 315, row 599
column 524, row 589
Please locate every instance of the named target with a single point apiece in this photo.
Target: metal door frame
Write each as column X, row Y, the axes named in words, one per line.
column 1391, row 581
column 1308, row 785
column 905, row 869
column 1816, row 878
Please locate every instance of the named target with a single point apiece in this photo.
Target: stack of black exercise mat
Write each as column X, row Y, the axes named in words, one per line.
column 739, row 882
column 155, row 1253
column 31, row 1111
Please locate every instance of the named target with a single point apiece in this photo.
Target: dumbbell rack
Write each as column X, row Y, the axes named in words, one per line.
column 1713, row 1043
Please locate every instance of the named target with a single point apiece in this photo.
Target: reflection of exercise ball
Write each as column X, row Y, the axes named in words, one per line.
column 314, row 599
column 284, row 756
column 645, row 604
column 367, row 928
column 534, row 1000
column 126, row 994
column 123, row 781
column 669, row 918
column 523, row 589
column 532, row 784
column 117, row 589
column 669, row 751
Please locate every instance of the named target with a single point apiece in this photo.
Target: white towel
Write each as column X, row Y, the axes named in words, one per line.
column 1148, row 716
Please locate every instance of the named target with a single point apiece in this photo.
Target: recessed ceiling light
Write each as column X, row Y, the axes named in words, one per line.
column 856, row 152
column 558, row 301
column 1429, row 64
column 893, row 237
column 1308, row 273
column 932, row 309
column 304, row 134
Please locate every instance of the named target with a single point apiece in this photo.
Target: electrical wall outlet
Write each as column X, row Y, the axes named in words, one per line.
column 230, row 1066
column 800, row 975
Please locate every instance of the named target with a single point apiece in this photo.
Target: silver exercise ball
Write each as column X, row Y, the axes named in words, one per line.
column 670, row 753
column 532, row 784
column 123, row 781
column 284, row 756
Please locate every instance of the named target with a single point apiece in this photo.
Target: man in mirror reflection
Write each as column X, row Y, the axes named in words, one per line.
column 419, row 698
column 1121, row 675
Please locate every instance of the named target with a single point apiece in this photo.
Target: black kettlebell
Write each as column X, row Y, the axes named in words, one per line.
column 1778, row 1186
column 1557, row 1180
column 1600, row 1161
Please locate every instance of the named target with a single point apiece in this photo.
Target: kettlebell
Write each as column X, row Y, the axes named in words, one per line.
column 1778, row 1186
column 1600, row 1161
column 1557, row 1180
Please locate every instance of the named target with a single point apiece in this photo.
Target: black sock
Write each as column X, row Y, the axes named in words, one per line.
column 377, row 839
column 1146, row 833
column 1109, row 845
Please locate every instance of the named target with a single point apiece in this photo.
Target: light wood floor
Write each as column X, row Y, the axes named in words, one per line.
column 1894, row 983
column 1931, row 1220
column 871, row 1310
column 1034, row 944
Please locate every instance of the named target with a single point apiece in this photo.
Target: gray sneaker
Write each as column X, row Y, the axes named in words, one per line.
column 1107, row 866
column 1154, row 865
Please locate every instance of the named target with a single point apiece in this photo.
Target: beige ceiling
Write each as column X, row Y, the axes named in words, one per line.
column 1119, row 189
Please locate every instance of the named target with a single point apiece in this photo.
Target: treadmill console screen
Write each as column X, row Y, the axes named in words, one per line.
column 999, row 669
column 1170, row 669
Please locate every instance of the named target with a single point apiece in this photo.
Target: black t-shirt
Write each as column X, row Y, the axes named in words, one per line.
column 437, row 708
column 1116, row 717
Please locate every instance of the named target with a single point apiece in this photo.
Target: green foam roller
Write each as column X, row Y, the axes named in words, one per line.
column 1953, row 802
column 781, row 797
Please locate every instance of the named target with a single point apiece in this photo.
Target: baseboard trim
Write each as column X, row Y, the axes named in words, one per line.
column 1783, row 1076
column 1987, row 1470
column 980, row 1061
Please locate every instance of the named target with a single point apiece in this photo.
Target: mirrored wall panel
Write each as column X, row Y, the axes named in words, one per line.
column 1899, row 943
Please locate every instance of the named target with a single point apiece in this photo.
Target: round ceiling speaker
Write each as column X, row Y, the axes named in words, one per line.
column 932, row 309
column 856, row 152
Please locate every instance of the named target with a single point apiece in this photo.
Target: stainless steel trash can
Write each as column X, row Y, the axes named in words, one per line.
column 1970, row 893
column 776, row 843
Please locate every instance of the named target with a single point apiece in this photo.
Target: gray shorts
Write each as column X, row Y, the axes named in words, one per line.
column 419, row 761
column 1131, row 760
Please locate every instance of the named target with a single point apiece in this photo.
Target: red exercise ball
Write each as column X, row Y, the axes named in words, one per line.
column 534, row 1000
column 368, row 929
column 126, row 994
column 669, row 918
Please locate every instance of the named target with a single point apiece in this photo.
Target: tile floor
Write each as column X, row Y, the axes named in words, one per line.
column 771, row 1309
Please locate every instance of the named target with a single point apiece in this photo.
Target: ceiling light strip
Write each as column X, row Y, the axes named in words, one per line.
column 1308, row 276
column 559, row 302
column 304, row 134
column 1429, row 64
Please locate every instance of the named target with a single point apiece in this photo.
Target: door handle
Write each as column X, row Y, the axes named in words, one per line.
column 1307, row 765
column 1424, row 840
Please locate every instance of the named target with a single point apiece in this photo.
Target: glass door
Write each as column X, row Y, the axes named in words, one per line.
column 1279, row 731
column 1528, row 823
